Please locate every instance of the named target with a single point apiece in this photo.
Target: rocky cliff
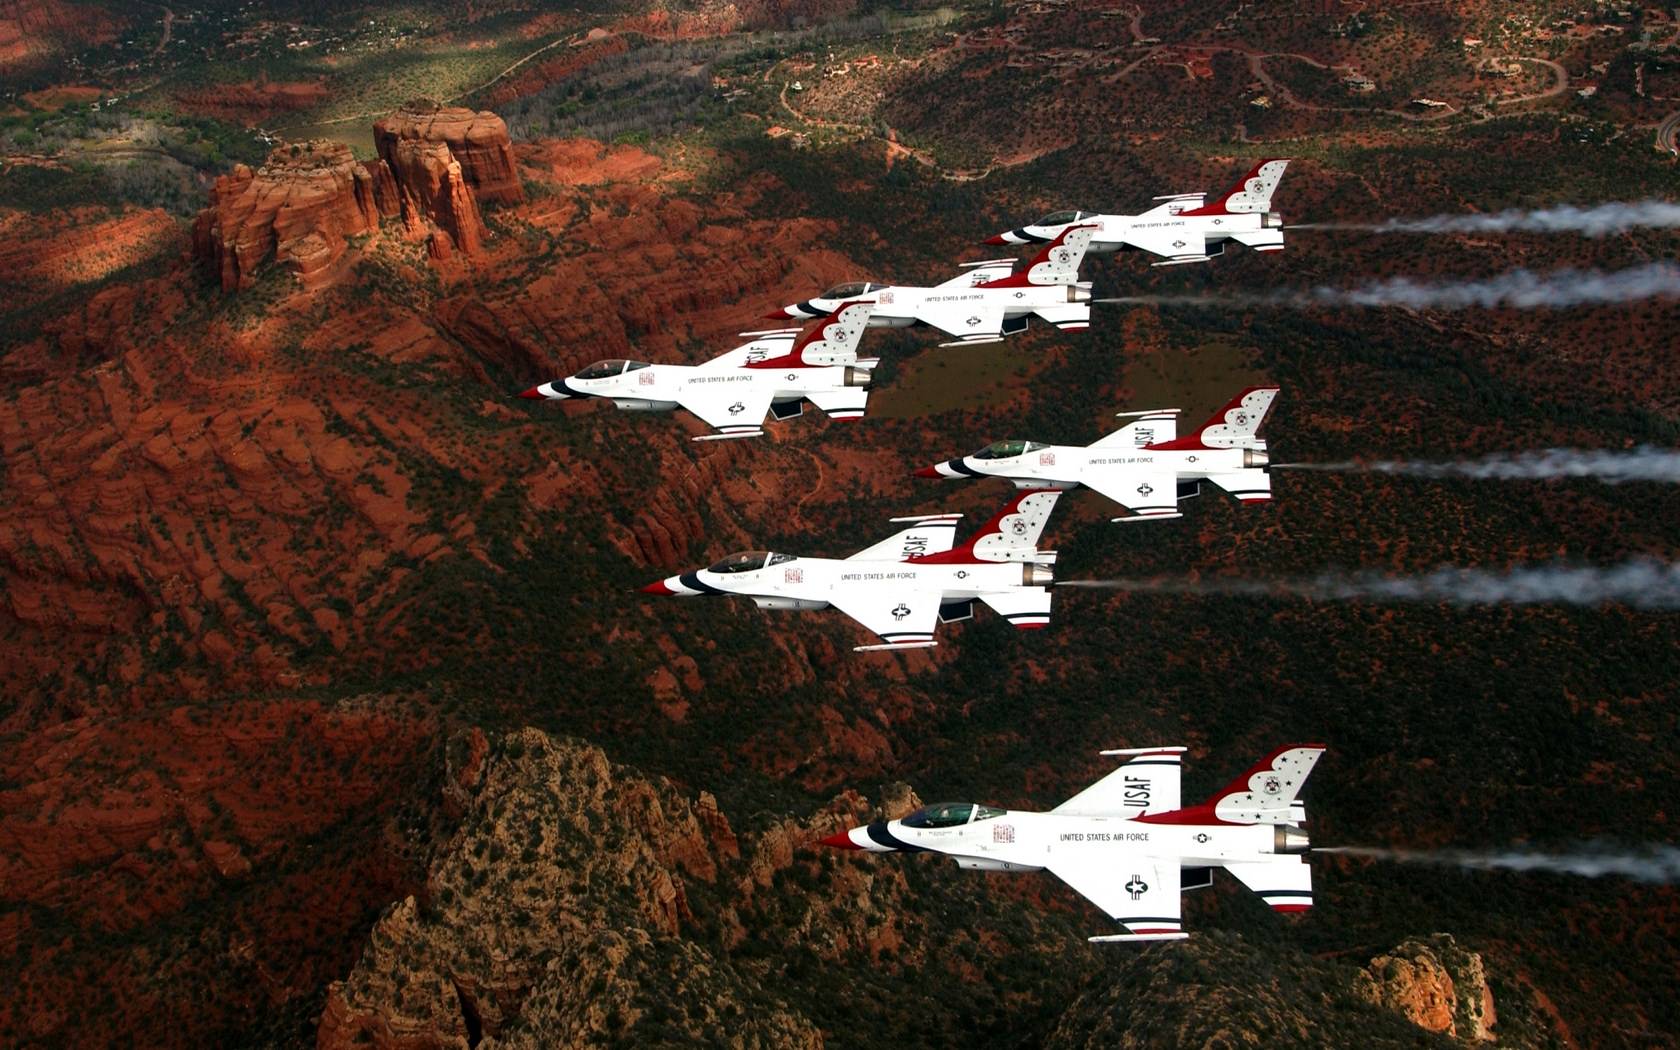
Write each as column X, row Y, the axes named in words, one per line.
column 1217, row 989
column 479, row 141
column 435, row 165
column 556, row 917
column 298, row 209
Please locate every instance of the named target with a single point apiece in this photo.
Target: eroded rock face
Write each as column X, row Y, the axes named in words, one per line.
column 479, row 141
column 431, row 188
column 298, row 209
column 561, row 896
column 1437, row 985
column 1217, row 989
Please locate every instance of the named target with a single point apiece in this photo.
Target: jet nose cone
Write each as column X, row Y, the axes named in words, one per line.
column 840, row 840
column 997, row 238
column 532, row 394
column 927, row 472
column 658, row 587
column 782, row 314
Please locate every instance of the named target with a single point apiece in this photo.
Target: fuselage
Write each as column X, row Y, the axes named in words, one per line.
column 1065, row 466
column 898, row 306
column 1016, row 840
column 662, row 387
column 1165, row 233
column 788, row 582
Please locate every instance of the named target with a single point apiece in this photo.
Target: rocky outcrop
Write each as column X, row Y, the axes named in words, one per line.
column 1437, row 986
column 1217, row 989
column 432, row 190
column 478, row 141
column 553, row 918
column 297, row 209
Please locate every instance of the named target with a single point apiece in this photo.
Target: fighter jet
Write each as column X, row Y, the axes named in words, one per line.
column 985, row 303
column 776, row 372
column 1144, row 466
column 1183, row 228
column 902, row 586
column 1124, row 842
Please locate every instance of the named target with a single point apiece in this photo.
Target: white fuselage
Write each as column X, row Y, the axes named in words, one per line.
column 1068, row 466
column 1017, row 840
column 902, row 306
column 813, row 583
column 663, row 387
column 1116, row 231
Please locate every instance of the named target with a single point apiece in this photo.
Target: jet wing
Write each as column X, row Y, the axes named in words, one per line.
column 1148, row 493
column 969, row 322
column 1141, row 893
column 1172, row 243
column 737, row 412
column 904, row 618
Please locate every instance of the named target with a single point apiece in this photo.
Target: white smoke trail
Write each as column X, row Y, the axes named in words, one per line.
column 1655, row 864
column 1602, row 220
column 1518, row 289
column 1640, row 583
column 1612, row 466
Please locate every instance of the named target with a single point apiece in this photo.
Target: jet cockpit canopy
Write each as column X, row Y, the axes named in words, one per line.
column 1009, row 449
column 608, row 369
column 949, row 815
column 747, row 561
column 852, row 289
column 1062, row 218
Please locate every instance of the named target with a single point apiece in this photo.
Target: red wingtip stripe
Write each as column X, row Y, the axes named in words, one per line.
column 1291, row 907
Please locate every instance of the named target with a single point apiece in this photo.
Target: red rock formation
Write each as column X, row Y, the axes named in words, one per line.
column 431, row 187
column 479, row 141
column 298, row 208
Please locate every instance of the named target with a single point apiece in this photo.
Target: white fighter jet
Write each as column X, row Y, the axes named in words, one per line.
column 1125, row 844
column 777, row 372
column 982, row 305
column 1183, row 228
column 901, row 587
column 1144, row 466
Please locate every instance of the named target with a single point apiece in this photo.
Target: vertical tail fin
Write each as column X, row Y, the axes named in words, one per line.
column 1011, row 535
column 1056, row 263
column 1252, row 193
column 1237, row 425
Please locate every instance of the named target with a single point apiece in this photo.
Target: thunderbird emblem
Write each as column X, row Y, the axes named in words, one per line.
column 1272, row 785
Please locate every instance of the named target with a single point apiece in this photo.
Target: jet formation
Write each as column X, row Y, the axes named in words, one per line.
column 1125, row 842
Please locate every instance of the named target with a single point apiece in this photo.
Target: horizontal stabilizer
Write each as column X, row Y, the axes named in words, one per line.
column 845, row 403
column 1285, row 883
column 1027, row 608
column 1249, row 486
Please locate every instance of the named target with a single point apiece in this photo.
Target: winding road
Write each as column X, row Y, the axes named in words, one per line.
column 1668, row 134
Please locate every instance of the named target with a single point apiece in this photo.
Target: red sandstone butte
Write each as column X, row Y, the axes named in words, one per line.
column 298, row 208
column 479, row 141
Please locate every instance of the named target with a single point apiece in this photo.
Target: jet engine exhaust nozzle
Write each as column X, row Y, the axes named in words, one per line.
column 1076, row 294
column 1271, row 221
column 1035, row 575
column 857, row 376
column 1289, row 839
column 1253, row 457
